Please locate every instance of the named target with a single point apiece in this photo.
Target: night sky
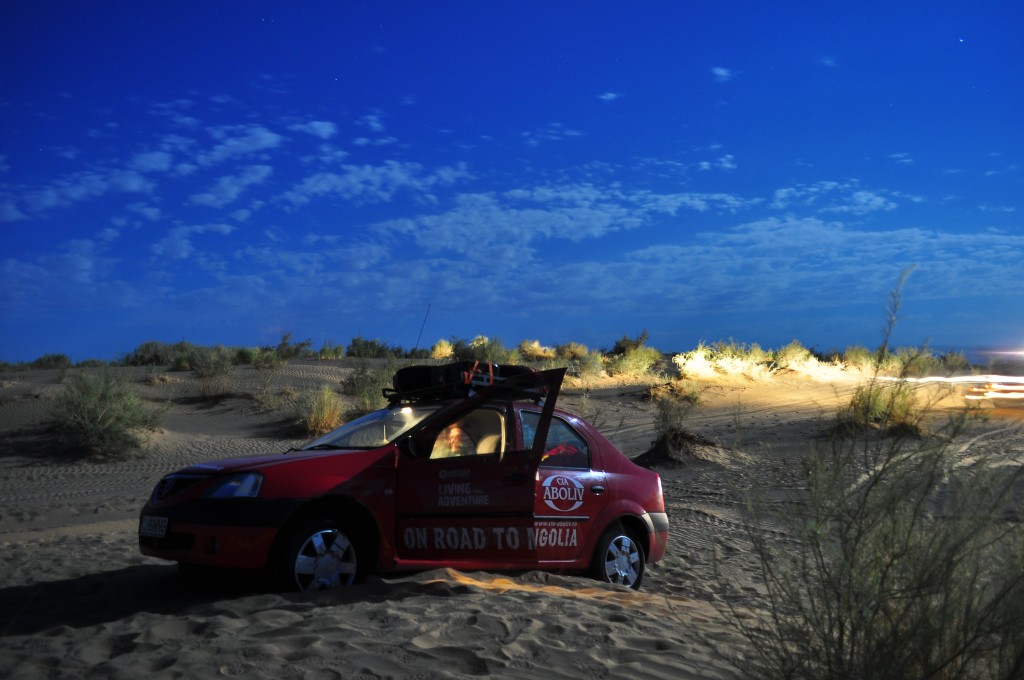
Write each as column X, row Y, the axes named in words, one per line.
column 224, row 172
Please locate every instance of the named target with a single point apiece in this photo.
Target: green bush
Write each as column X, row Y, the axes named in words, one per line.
column 100, row 416
column 635, row 362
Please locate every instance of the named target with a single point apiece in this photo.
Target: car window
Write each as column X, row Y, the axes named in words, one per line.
column 374, row 429
column 565, row 447
column 478, row 433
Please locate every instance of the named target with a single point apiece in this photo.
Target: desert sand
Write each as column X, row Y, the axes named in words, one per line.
column 78, row 600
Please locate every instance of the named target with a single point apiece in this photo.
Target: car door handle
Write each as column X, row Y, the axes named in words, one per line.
column 597, row 489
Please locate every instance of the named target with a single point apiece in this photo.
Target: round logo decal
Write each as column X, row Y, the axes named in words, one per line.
column 563, row 494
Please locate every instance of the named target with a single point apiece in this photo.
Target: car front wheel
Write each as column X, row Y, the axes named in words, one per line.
column 619, row 559
column 320, row 554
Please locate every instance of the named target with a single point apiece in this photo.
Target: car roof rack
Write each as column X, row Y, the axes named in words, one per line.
column 464, row 379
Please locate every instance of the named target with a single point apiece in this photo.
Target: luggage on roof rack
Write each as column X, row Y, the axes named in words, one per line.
column 457, row 380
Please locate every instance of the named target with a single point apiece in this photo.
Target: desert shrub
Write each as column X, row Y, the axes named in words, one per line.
column 482, row 348
column 287, row 349
column 51, row 361
column 587, row 366
column 858, row 356
column 366, row 385
column 212, row 366
column 626, row 343
column 150, row 353
column 672, row 406
column 442, row 349
column 321, row 411
column 907, row 567
column 917, row 362
column 635, row 362
column 793, row 354
column 364, row 348
column 571, row 350
column 244, row 355
column 890, row 407
column 732, row 350
column 901, row 559
column 100, row 416
column 331, row 350
column 532, row 350
column 955, row 363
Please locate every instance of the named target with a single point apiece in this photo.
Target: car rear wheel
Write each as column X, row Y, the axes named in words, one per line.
column 320, row 554
column 619, row 558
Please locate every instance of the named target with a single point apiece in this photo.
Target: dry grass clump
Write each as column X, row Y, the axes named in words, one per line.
column 321, row 411
column 100, row 416
column 532, row 350
column 890, row 407
column 442, row 349
column 366, row 385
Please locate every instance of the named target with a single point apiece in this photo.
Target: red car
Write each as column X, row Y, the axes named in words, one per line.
column 482, row 472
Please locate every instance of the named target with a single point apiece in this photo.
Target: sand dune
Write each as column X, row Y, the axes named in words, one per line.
column 77, row 599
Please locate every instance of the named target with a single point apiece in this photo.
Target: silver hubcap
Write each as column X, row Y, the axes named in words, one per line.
column 621, row 562
column 326, row 560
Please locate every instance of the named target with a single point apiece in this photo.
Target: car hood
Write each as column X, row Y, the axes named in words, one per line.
column 262, row 462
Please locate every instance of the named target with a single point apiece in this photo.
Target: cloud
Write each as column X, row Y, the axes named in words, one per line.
column 380, row 141
column 722, row 75
column 151, row 213
column 552, row 132
column 19, row 203
column 836, row 197
column 609, row 96
column 177, row 244
column 318, row 128
column 901, row 158
column 516, row 221
column 237, row 141
column 371, row 122
column 726, row 162
column 828, row 61
column 229, row 187
column 374, row 183
column 151, row 161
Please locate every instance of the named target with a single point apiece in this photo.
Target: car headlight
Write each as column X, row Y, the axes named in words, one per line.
column 241, row 485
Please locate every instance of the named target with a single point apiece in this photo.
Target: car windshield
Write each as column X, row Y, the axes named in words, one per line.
column 374, row 429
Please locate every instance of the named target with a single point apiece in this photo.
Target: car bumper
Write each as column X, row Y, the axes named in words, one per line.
column 657, row 523
column 223, row 534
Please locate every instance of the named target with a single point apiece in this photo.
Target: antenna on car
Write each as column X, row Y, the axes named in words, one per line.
column 422, row 326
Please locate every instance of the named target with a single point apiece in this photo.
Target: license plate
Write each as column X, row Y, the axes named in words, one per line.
column 153, row 526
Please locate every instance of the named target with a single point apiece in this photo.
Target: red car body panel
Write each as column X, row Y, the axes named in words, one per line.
column 506, row 509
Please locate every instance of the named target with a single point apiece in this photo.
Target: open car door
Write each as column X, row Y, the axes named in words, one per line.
column 465, row 489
